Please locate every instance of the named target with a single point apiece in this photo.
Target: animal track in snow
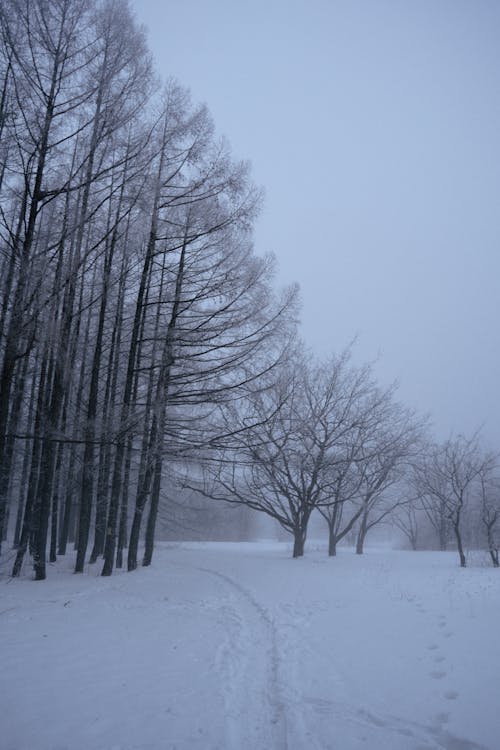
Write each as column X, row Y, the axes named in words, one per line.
column 451, row 695
column 442, row 718
column 437, row 675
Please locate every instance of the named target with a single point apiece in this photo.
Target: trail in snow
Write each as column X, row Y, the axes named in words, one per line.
column 256, row 714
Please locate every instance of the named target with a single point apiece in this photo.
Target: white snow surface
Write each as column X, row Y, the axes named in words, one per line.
column 223, row 646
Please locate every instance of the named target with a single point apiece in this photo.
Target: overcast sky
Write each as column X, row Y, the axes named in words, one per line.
column 374, row 128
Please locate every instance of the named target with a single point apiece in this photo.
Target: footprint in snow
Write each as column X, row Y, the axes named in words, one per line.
column 438, row 659
column 432, row 647
column 320, row 705
column 451, row 695
column 442, row 718
column 437, row 675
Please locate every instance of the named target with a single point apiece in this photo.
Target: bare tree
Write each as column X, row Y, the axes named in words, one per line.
column 382, row 468
column 406, row 519
column 490, row 511
column 445, row 476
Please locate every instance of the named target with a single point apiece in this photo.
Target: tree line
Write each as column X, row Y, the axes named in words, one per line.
column 133, row 304
column 142, row 339
column 327, row 439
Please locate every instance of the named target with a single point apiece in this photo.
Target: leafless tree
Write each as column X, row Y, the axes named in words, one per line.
column 383, row 466
column 406, row 519
column 489, row 489
column 446, row 476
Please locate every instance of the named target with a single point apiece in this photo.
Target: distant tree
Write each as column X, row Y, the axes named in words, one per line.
column 446, row 475
column 341, row 507
column 490, row 511
column 406, row 519
column 383, row 466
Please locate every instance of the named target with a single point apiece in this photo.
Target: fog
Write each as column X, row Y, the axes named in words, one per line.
column 373, row 128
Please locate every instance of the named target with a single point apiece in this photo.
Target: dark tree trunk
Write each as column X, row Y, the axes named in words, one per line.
column 492, row 547
column 332, row 541
column 122, row 528
column 461, row 553
column 8, row 458
column 153, row 513
column 55, row 505
column 28, row 452
column 298, row 542
column 28, row 449
column 140, row 503
column 360, row 541
column 34, row 474
column 68, row 523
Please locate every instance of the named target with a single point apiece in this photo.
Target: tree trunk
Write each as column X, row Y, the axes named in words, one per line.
column 298, row 542
column 55, row 505
column 332, row 541
column 9, row 457
column 66, row 531
column 34, row 474
column 492, row 547
column 123, row 522
column 443, row 536
column 153, row 513
column 461, row 553
column 360, row 541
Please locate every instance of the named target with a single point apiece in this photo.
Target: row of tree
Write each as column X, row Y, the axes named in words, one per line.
column 133, row 304
column 325, row 438
column 142, row 341
column 456, row 485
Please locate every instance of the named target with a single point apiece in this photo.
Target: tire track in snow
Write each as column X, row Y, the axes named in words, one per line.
column 278, row 728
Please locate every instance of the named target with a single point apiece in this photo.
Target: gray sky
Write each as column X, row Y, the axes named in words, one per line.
column 374, row 128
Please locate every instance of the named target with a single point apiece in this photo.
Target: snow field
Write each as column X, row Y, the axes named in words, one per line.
column 238, row 647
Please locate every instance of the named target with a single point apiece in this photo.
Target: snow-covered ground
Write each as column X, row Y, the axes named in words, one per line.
column 239, row 647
